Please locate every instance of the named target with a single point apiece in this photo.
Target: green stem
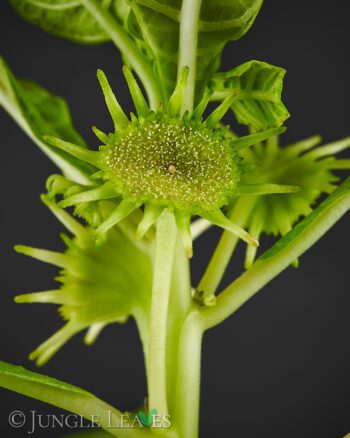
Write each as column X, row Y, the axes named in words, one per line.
column 280, row 256
column 127, row 46
column 187, row 391
column 179, row 306
column 143, row 325
column 225, row 248
column 163, row 265
column 189, row 19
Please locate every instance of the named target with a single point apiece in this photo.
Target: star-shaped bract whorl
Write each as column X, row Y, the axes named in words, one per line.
column 97, row 286
column 167, row 160
column 305, row 164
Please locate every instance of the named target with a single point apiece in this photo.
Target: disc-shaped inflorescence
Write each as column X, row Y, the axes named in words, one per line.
column 165, row 160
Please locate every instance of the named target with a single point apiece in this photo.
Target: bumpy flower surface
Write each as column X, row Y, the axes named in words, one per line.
column 304, row 164
column 97, row 287
column 170, row 162
column 164, row 159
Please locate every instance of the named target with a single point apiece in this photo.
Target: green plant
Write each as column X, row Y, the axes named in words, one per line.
column 137, row 195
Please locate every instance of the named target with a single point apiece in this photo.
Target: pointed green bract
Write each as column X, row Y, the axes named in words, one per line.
column 100, row 135
column 118, row 116
column 250, row 140
column 124, row 209
column 329, row 150
column 93, row 333
column 73, row 149
column 51, row 257
column 140, row 102
column 69, row 223
column 106, row 191
column 219, row 219
column 216, row 116
column 151, row 214
column 202, row 105
column 183, row 223
column 51, row 296
column 266, row 189
column 177, row 98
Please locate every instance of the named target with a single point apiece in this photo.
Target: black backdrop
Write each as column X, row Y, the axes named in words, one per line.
column 281, row 365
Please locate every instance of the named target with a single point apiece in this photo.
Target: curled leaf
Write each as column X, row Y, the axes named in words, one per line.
column 158, row 25
column 258, row 87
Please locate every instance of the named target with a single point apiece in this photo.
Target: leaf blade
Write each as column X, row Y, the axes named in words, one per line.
column 66, row 19
column 65, row 396
column 158, row 24
column 259, row 88
column 39, row 113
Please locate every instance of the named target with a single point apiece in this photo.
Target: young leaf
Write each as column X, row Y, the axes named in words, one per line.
column 258, row 86
column 68, row 19
column 220, row 22
column 40, row 113
column 92, row 22
column 65, row 396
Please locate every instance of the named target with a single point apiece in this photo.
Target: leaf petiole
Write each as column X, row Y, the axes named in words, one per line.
column 126, row 45
column 280, row 256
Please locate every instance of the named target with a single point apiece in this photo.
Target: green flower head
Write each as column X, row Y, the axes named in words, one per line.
column 304, row 164
column 97, row 287
column 167, row 160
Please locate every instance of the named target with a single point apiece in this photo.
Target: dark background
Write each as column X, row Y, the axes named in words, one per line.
column 281, row 365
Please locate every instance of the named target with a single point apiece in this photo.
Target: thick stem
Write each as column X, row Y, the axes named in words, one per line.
column 188, row 42
column 163, row 264
column 225, row 248
column 126, row 45
column 179, row 306
column 186, row 410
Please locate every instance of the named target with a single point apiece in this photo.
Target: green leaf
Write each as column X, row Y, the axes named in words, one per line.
column 259, row 87
column 69, row 19
column 66, row 18
column 40, row 113
column 157, row 23
column 65, row 396
column 93, row 22
column 38, row 386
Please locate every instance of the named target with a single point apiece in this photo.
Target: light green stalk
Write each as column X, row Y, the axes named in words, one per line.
column 187, row 391
column 163, row 265
column 280, row 256
column 188, row 42
column 127, row 46
column 224, row 250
